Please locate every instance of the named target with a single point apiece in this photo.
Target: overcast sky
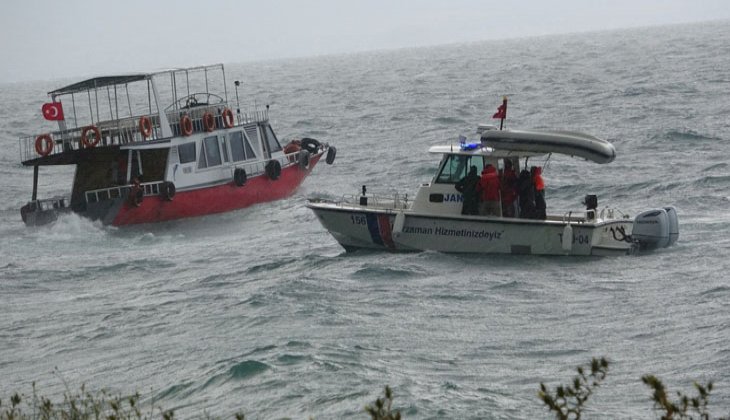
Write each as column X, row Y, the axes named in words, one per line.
column 51, row 39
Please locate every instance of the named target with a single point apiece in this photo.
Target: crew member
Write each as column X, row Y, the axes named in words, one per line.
column 540, row 205
column 489, row 192
column 509, row 189
column 467, row 186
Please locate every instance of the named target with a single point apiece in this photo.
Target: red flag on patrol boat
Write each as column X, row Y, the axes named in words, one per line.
column 501, row 110
column 52, row 111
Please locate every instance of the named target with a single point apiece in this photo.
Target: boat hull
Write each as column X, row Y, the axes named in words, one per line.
column 402, row 230
column 195, row 202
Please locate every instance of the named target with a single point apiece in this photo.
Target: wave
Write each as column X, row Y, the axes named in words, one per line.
column 372, row 271
column 683, row 135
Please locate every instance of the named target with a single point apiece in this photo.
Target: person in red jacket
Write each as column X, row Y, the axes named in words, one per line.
column 489, row 192
column 537, row 181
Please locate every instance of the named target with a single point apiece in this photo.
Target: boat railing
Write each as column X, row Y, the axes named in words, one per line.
column 591, row 215
column 53, row 203
column 127, row 130
column 120, row 191
column 386, row 202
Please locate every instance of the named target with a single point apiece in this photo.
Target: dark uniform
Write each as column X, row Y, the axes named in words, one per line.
column 467, row 186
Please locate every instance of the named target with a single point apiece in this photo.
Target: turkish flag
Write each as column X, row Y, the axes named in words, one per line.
column 52, row 111
column 501, row 110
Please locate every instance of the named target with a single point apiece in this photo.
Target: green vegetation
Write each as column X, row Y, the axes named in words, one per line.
column 566, row 402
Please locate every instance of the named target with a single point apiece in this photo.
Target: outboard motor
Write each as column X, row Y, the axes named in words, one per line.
column 651, row 229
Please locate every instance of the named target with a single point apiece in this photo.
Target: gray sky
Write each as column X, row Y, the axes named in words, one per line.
column 50, row 39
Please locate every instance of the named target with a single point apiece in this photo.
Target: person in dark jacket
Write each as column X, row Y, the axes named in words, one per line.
column 467, row 186
column 526, row 193
column 509, row 189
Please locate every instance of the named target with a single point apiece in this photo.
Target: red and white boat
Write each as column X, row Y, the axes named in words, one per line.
column 159, row 146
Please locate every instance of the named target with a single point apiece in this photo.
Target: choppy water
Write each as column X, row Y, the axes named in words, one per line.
column 261, row 311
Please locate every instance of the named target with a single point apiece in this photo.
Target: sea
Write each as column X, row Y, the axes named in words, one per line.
column 260, row 311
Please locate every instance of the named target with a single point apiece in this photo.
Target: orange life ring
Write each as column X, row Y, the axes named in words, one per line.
column 43, row 144
column 208, row 122
column 85, row 138
column 186, row 125
column 228, row 118
column 145, row 126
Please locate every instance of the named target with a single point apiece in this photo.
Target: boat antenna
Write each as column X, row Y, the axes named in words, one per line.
column 238, row 103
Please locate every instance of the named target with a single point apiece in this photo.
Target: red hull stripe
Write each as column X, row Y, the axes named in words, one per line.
column 217, row 199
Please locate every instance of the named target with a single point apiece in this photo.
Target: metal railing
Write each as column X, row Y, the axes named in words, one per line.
column 127, row 130
column 386, row 202
column 102, row 194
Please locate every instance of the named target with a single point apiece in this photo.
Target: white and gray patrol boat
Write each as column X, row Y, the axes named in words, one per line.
column 433, row 219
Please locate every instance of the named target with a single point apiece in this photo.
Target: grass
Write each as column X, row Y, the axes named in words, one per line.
column 564, row 402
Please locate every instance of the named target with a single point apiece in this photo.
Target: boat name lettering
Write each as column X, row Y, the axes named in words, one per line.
column 579, row 239
column 485, row 234
column 455, row 198
column 358, row 219
column 481, row 234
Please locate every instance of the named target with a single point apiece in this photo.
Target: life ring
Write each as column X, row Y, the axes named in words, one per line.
column 186, row 125
column 145, row 127
column 303, row 159
column 208, row 122
column 44, row 144
column 310, row 145
column 273, row 169
column 240, row 177
column 331, row 153
column 85, row 138
column 228, row 118
column 136, row 196
column 168, row 190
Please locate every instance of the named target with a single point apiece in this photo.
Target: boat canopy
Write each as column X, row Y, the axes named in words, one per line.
column 564, row 142
column 480, row 151
column 98, row 82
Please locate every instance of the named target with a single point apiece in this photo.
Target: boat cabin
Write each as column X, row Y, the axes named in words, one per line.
column 440, row 195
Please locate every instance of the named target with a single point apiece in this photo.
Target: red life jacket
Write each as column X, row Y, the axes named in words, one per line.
column 489, row 184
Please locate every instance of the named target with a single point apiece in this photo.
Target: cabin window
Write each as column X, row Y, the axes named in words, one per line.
column 455, row 167
column 273, row 143
column 211, row 153
column 186, row 152
column 224, row 149
column 240, row 147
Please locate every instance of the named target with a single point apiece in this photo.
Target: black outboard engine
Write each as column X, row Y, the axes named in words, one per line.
column 591, row 203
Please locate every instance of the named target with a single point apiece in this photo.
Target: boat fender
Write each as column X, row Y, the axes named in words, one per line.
column 145, row 127
column 400, row 219
column 310, row 145
column 168, row 190
column 273, row 169
column 303, row 159
column 208, row 122
column 228, row 118
column 186, row 125
column 331, row 153
column 85, row 136
column 136, row 196
column 240, row 177
column 567, row 239
column 44, row 144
